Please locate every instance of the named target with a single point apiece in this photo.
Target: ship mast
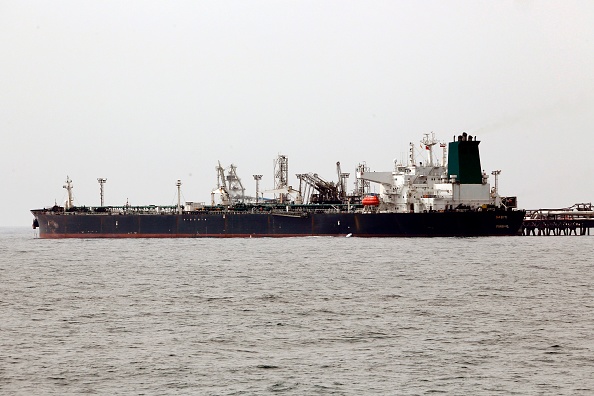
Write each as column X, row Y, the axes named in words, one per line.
column 361, row 185
column 281, row 176
column 257, row 178
column 101, row 181
column 68, row 186
column 411, row 154
column 429, row 143
column 496, row 173
column 178, row 184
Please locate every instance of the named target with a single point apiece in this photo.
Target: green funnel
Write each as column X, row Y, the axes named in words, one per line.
column 464, row 160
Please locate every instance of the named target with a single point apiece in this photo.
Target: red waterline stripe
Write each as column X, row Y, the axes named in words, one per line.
column 137, row 236
column 88, row 236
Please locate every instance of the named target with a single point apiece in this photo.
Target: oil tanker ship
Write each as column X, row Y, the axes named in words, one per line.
column 450, row 196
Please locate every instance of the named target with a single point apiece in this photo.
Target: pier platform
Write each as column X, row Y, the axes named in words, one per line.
column 574, row 220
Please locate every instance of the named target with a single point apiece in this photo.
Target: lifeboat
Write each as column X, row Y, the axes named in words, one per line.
column 371, row 200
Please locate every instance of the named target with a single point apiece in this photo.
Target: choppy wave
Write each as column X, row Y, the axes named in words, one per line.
column 509, row 315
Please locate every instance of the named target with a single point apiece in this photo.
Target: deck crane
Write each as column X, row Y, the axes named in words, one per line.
column 326, row 192
column 342, row 182
column 221, row 186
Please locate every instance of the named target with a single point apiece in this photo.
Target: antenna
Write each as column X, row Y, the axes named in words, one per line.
column 102, row 182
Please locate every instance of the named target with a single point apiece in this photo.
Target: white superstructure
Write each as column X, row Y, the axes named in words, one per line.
column 426, row 185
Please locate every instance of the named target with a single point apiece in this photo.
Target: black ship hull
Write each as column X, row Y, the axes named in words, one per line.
column 240, row 224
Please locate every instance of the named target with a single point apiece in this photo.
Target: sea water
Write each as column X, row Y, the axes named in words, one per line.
column 296, row 316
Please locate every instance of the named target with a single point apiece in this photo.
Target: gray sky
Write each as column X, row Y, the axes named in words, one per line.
column 147, row 92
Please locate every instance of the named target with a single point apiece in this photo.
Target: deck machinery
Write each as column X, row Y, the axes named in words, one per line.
column 420, row 198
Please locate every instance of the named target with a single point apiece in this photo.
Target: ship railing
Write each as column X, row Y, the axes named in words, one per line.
column 294, row 210
column 116, row 210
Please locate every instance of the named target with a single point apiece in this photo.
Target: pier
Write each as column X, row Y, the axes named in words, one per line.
column 574, row 220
